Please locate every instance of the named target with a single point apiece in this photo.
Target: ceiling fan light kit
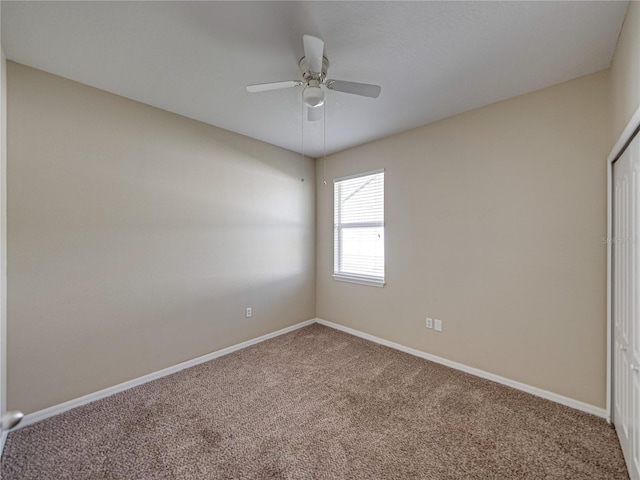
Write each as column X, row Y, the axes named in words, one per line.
column 314, row 66
column 313, row 97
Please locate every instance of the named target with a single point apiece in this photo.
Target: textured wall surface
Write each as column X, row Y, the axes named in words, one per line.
column 136, row 238
column 495, row 221
column 625, row 72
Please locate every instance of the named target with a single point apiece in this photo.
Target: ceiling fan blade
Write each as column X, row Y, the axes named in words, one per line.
column 263, row 87
column 364, row 89
column 313, row 52
column 314, row 113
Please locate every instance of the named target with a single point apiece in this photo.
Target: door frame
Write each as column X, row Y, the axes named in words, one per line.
column 620, row 146
column 3, row 242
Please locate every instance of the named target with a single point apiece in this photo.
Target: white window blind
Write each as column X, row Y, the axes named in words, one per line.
column 359, row 228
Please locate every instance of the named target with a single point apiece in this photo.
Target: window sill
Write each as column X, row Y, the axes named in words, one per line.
column 371, row 282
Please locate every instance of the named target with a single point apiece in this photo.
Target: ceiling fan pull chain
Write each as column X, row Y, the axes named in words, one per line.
column 302, row 138
column 324, row 142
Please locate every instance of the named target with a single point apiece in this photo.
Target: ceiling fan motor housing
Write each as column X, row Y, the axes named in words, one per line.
column 308, row 75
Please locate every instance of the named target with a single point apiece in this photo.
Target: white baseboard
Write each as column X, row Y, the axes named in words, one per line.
column 77, row 402
column 32, row 418
column 554, row 397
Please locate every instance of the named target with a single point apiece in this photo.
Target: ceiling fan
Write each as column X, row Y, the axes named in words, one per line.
column 314, row 66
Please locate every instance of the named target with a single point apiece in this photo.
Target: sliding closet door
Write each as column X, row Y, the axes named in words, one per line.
column 626, row 314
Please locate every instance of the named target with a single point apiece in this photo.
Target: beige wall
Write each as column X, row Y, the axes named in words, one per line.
column 136, row 238
column 494, row 224
column 625, row 72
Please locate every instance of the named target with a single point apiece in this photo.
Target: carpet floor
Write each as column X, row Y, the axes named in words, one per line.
column 317, row 403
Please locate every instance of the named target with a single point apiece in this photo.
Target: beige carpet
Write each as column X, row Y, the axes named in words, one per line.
column 317, row 404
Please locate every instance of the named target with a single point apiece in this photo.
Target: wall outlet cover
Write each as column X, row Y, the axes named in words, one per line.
column 429, row 322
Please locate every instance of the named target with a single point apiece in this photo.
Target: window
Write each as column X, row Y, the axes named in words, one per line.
column 359, row 228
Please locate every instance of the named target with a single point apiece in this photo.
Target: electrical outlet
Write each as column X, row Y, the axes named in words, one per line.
column 249, row 312
column 438, row 325
column 429, row 322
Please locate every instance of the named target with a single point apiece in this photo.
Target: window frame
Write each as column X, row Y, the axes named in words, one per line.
column 369, row 280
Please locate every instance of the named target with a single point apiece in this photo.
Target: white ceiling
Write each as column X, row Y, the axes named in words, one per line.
column 432, row 59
